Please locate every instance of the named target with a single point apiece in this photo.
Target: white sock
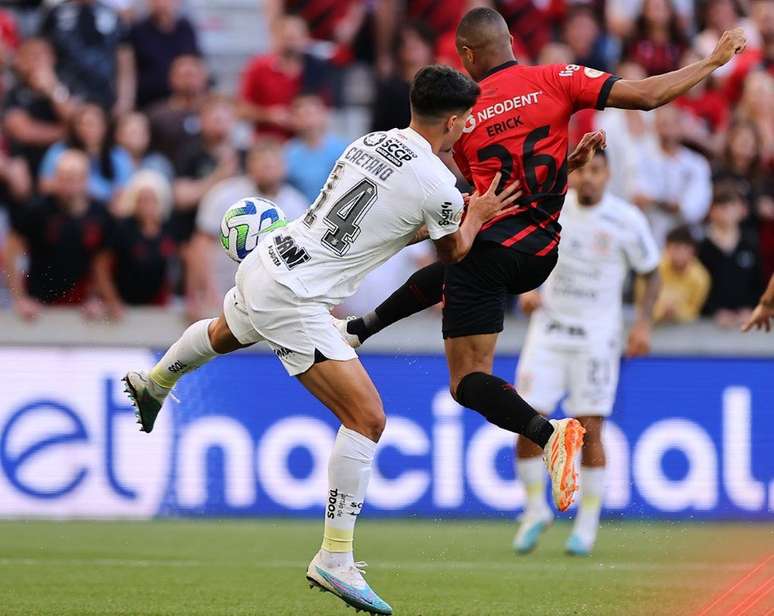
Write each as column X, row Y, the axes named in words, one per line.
column 592, row 490
column 532, row 473
column 349, row 470
column 191, row 350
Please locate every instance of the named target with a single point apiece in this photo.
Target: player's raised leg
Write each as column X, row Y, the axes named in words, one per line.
column 422, row 290
column 345, row 388
column 200, row 343
column 592, row 488
column 473, row 385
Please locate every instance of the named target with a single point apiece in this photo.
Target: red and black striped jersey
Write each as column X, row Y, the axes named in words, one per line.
column 519, row 126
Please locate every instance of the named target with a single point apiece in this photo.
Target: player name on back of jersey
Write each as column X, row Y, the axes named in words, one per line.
column 390, row 149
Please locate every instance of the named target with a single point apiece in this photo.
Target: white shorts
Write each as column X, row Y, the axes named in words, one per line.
column 586, row 376
column 300, row 331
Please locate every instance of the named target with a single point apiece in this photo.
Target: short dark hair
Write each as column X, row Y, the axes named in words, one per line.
column 440, row 90
column 724, row 192
column 681, row 235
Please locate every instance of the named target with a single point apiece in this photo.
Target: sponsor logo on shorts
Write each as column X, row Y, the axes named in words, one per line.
column 282, row 352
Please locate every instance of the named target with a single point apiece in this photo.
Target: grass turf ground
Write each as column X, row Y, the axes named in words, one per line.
column 422, row 568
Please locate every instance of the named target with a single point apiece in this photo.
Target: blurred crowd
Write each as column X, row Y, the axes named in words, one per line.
column 120, row 151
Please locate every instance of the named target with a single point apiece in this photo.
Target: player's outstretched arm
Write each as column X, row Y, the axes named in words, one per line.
column 453, row 247
column 659, row 90
column 764, row 311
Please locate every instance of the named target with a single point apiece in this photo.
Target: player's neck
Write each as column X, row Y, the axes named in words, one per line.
column 497, row 60
column 432, row 134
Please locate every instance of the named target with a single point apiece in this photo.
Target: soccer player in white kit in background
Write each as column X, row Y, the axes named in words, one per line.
column 383, row 190
column 573, row 344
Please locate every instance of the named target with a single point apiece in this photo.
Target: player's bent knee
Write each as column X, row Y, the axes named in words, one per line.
column 221, row 338
column 370, row 422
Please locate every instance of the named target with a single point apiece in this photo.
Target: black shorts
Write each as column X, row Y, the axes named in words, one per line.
column 476, row 289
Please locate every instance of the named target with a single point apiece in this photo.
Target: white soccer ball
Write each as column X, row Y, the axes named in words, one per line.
column 245, row 222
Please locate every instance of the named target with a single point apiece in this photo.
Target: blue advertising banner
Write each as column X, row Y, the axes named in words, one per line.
column 690, row 437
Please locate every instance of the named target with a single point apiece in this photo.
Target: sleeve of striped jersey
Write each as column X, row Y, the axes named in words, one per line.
column 587, row 87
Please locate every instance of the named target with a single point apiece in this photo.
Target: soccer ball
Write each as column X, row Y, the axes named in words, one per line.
column 245, row 222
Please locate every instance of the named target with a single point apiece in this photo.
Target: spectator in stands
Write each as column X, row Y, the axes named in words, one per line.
column 15, row 182
column 658, row 41
column 440, row 19
column 629, row 135
column 157, row 40
column 271, row 82
column 741, row 164
column 584, row 37
column 94, row 60
column 756, row 106
column 37, row 106
column 684, row 281
column 111, row 166
column 209, row 271
column 311, row 154
column 334, row 21
column 706, row 113
column 674, row 184
column 60, row 236
column 414, row 49
column 210, row 160
column 731, row 260
column 175, row 125
column 719, row 16
column 9, row 42
column 134, row 266
column 133, row 135
column 759, row 54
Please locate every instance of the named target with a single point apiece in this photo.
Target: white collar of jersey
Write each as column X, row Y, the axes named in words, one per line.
column 414, row 136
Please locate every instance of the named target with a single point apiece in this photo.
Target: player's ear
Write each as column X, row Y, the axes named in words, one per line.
column 450, row 123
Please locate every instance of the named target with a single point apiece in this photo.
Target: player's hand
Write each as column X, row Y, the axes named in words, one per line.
column 639, row 339
column 490, row 204
column 530, row 301
column 587, row 146
column 759, row 319
column 731, row 43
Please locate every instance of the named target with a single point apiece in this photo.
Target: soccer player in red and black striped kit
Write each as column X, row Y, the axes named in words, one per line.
column 519, row 128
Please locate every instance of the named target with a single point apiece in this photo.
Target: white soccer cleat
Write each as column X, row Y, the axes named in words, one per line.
column 531, row 526
column 351, row 339
column 348, row 584
column 559, row 456
column 147, row 398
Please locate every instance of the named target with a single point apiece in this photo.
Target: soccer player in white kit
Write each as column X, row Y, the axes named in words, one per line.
column 385, row 191
column 573, row 344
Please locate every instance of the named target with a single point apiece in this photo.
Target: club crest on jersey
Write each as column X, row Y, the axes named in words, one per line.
column 374, row 139
column 470, row 124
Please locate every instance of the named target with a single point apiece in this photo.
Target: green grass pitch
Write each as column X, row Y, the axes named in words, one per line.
column 426, row 568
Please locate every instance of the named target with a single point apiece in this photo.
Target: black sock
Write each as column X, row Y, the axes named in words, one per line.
column 498, row 401
column 422, row 290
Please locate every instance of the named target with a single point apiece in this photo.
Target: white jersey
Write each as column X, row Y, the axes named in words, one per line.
column 600, row 244
column 382, row 190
